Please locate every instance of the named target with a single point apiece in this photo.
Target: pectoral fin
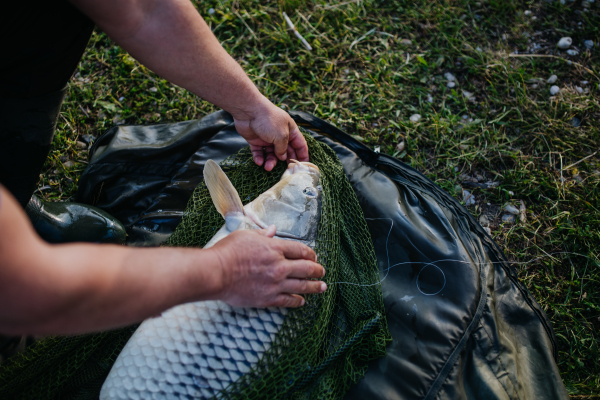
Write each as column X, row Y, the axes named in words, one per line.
column 224, row 196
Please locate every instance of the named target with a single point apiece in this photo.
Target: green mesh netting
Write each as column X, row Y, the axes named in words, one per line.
column 322, row 348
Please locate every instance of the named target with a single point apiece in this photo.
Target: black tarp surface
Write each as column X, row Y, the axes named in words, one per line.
column 463, row 327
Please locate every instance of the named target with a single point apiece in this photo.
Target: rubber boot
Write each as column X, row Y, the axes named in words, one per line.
column 73, row 222
column 26, row 132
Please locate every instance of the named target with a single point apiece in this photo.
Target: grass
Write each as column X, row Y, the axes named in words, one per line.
column 374, row 64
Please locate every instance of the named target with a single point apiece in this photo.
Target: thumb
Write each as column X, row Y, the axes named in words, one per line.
column 269, row 231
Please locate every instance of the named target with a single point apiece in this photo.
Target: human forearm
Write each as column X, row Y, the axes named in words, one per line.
column 173, row 40
column 76, row 288
column 82, row 288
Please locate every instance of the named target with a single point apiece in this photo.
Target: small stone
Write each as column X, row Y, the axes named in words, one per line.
column 578, row 178
column 527, row 12
column 429, row 98
column 468, row 95
column 509, row 218
column 575, row 122
column 579, row 90
column 450, row 84
column 554, row 90
column 588, row 44
column 483, row 220
column 121, row 99
column 153, row 89
column 87, row 138
column 564, row 43
column 377, row 149
column 522, row 211
column 468, row 198
column 400, row 146
column 463, row 147
column 81, row 145
column 552, row 79
column 449, row 77
column 405, row 42
column 572, row 52
column 478, row 49
column 510, row 192
column 584, row 82
column 511, row 209
column 415, row 118
column 211, row 11
column 487, row 230
column 68, row 164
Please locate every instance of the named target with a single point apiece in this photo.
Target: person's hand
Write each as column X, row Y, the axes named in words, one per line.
column 268, row 126
column 258, row 271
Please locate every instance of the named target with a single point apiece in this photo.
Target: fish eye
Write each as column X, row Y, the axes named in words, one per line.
column 310, row 192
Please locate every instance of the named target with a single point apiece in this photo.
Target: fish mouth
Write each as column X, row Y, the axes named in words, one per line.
column 254, row 218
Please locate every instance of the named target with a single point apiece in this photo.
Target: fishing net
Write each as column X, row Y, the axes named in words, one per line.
column 325, row 346
column 322, row 348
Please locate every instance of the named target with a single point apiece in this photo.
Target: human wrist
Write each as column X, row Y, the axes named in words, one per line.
column 212, row 278
column 250, row 109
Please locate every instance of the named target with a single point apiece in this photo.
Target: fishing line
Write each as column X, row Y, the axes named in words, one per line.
column 433, row 263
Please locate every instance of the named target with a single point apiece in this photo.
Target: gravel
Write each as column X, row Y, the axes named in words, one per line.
column 509, row 218
column 415, row 118
column 564, row 43
column 554, row 90
column 552, row 79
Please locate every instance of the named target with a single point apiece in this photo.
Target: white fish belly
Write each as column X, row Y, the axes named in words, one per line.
column 192, row 351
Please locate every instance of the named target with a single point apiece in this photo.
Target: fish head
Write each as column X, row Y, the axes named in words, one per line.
column 293, row 205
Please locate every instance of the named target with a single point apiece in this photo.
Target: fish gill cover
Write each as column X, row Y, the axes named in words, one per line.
column 322, row 349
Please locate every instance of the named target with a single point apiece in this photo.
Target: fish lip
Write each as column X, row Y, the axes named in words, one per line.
column 262, row 225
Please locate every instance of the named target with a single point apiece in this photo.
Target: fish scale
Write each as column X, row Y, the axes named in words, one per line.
column 147, row 363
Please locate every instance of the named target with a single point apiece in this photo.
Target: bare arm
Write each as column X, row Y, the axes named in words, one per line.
column 76, row 288
column 172, row 39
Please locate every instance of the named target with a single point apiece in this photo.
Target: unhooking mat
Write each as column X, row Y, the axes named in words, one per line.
column 462, row 325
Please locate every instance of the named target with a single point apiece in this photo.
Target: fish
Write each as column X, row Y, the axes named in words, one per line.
column 198, row 349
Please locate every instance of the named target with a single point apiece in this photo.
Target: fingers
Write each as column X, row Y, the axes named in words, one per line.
column 291, row 154
column 288, row 300
column 269, row 232
column 271, row 160
column 297, row 142
column 281, row 145
column 303, row 269
column 297, row 251
column 257, row 154
column 303, row 286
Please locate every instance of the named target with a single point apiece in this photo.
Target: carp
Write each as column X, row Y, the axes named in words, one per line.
column 197, row 349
